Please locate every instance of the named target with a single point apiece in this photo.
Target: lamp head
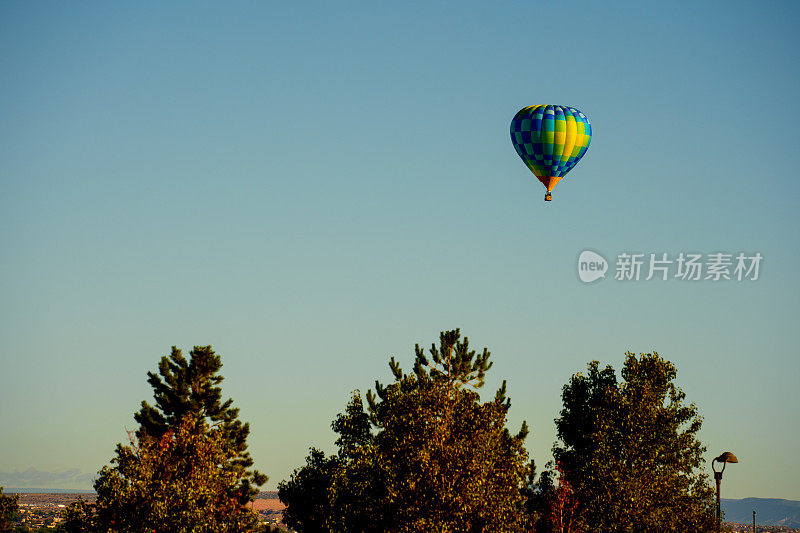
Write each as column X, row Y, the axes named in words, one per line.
column 726, row 457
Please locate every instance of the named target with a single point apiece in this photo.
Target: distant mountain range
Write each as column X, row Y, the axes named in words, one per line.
column 769, row 511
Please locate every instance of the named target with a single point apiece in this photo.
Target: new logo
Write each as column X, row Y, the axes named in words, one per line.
column 591, row 266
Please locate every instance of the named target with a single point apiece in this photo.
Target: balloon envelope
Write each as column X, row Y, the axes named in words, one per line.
column 550, row 139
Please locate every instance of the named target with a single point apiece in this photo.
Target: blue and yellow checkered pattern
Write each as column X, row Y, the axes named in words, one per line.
column 550, row 139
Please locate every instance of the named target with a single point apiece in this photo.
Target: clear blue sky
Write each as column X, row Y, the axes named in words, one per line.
column 312, row 189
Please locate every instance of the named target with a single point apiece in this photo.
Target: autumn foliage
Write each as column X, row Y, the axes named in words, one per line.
column 628, row 448
column 186, row 467
column 424, row 453
column 428, row 455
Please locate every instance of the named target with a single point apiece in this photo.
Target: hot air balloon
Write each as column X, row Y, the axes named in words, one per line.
column 550, row 139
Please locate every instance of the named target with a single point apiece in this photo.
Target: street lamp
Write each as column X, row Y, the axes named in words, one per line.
column 725, row 458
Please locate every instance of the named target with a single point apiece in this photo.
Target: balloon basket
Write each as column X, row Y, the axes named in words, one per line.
column 548, row 197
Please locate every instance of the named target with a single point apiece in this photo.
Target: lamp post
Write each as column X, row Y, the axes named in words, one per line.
column 725, row 458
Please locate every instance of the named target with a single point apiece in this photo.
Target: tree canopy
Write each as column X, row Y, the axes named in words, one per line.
column 423, row 453
column 173, row 484
column 191, row 388
column 186, row 468
column 427, row 456
column 8, row 509
column 629, row 449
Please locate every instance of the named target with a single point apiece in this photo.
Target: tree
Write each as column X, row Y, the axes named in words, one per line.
column 173, row 484
column 78, row 517
column 340, row 492
column 428, row 456
column 186, row 467
column 311, row 507
column 8, row 510
column 191, row 388
column 629, row 449
column 551, row 502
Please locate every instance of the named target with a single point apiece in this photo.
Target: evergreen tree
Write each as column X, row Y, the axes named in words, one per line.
column 629, row 450
column 187, row 466
column 192, row 389
column 428, row 456
column 173, row 484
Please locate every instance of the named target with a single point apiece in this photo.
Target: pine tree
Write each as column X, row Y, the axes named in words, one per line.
column 427, row 456
column 192, row 389
column 186, row 468
column 173, row 484
column 448, row 461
